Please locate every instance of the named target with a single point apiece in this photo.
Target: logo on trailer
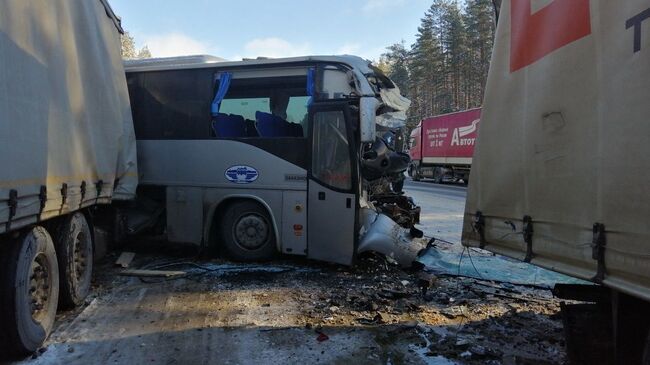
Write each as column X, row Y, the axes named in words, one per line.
column 241, row 174
column 460, row 132
column 534, row 33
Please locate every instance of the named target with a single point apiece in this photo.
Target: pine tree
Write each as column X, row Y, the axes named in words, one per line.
column 480, row 28
column 144, row 52
column 453, row 41
column 129, row 51
column 446, row 68
column 128, row 46
column 396, row 61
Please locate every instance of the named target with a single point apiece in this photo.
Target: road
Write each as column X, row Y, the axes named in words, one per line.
column 295, row 311
column 442, row 207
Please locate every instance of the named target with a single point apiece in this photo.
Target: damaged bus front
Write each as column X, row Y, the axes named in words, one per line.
column 296, row 155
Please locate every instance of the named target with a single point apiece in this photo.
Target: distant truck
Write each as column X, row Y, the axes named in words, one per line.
column 560, row 176
column 441, row 147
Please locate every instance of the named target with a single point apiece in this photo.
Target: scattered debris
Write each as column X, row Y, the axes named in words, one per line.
column 374, row 310
column 322, row 337
column 125, row 259
column 151, row 273
column 425, row 281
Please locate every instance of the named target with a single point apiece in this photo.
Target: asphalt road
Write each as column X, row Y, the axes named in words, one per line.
column 442, row 207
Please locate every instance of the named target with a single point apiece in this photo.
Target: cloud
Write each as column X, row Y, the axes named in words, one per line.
column 349, row 48
column 175, row 44
column 375, row 6
column 275, row 48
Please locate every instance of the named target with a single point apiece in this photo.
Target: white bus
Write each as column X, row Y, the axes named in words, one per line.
column 263, row 156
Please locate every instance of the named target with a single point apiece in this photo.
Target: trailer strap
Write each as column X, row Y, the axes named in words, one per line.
column 64, row 194
column 479, row 226
column 82, row 189
column 42, row 197
column 598, row 251
column 528, row 237
column 13, row 207
column 98, row 185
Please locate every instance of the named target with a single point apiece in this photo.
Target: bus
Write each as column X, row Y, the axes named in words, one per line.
column 255, row 157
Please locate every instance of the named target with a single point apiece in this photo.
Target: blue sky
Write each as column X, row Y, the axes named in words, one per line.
column 233, row 29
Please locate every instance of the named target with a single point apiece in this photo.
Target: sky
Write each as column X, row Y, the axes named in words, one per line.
column 234, row 29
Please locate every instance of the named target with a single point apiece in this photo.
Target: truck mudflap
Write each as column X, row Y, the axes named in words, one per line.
column 379, row 233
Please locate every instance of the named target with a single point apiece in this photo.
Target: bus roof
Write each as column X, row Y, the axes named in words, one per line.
column 207, row 61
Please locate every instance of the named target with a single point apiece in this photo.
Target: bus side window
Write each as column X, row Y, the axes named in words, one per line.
column 170, row 104
column 255, row 117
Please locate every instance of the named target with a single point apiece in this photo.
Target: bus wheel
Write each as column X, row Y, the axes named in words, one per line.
column 247, row 232
column 29, row 284
column 74, row 249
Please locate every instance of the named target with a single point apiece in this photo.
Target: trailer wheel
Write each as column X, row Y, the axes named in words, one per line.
column 29, row 287
column 415, row 173
column 438, row 175
column 74, row 248
column 247, row 232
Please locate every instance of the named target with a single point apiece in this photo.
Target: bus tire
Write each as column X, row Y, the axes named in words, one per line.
column 29, row 284
column 247, row 232
column 74, row 248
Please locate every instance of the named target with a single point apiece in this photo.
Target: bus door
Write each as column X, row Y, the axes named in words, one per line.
column 332, row 202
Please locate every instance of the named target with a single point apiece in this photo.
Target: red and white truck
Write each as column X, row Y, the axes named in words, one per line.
column 442, row 146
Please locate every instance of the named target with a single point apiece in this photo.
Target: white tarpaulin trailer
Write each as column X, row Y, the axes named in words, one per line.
column 565, row 141
column 66, row 133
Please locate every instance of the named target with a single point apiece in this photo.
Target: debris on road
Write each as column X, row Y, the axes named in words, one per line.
column 152, row 273
column 125, row 259
column 250, row 313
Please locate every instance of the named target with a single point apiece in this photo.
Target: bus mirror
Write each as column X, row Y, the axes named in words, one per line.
column 368, row 106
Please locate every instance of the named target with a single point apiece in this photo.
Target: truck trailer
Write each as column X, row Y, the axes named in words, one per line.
column 67, row 148
column 441, row 147
column 560, row 176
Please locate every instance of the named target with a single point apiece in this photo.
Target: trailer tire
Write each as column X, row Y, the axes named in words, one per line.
column 74, row 248
column 415, row 173
column 438, row 175
column 247, row 232
column 29, row 283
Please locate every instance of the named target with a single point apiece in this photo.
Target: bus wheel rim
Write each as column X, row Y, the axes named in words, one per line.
column 251, row 231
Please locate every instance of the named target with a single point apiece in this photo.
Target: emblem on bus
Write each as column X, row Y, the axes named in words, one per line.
column 241, row 174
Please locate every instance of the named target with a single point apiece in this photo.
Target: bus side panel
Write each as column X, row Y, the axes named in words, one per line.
column 184, row 214
column 294, row 222
column 213, row 171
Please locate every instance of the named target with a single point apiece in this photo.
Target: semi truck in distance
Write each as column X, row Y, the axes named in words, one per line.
column 441, row 147
column 560, row 173
column 249, row 158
